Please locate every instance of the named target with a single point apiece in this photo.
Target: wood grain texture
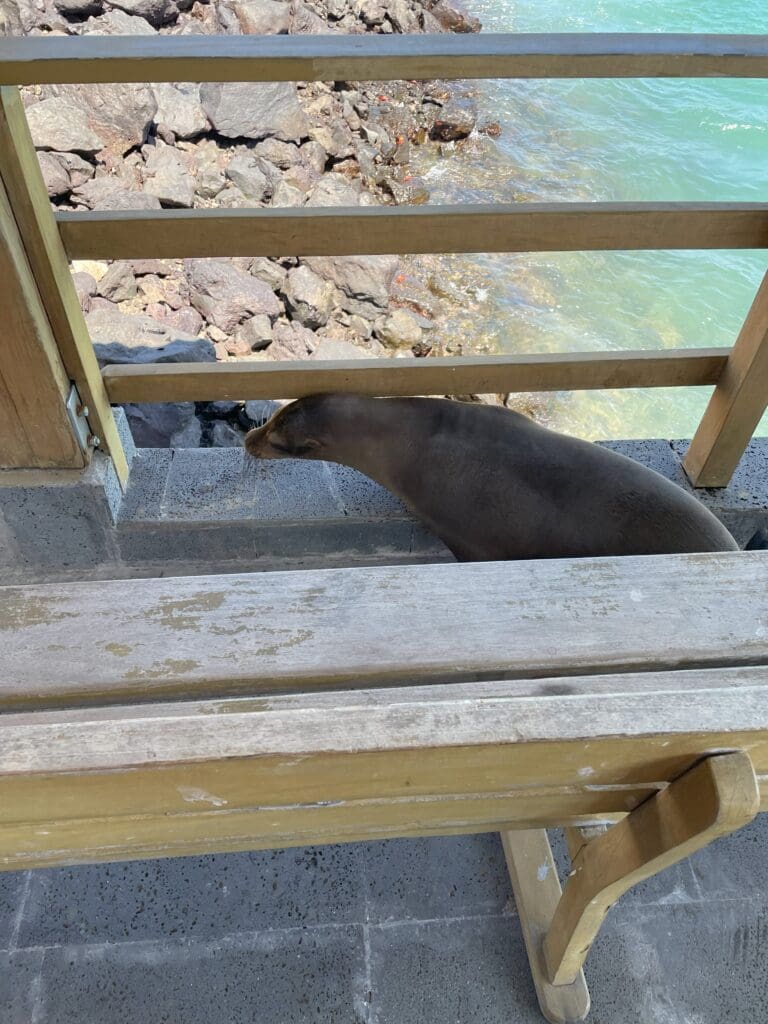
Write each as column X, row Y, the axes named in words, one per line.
column 572, row 371
column 15, row 446
column 91, row 785
column 107, row 838
column 489, row 227
column 198, row 636
column 587, row 740
column 737, row 404
column 361, row 58
column 20, row 173
column 210, row 827
column 536, row 887
column 716, row 797
column 35, row 431
column 410, row 718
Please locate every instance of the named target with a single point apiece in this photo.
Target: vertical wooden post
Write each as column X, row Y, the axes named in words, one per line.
column 738, row 402
column 35, row 430
column 23, row 181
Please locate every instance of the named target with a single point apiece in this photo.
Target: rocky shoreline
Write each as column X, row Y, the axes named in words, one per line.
column 107, row 147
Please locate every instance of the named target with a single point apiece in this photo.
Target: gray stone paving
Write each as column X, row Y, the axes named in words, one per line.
column 397, row 932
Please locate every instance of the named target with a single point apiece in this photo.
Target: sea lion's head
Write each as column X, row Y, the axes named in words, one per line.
column 298, row 431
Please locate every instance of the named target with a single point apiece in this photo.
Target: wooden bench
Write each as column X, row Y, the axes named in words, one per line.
column 161, row 717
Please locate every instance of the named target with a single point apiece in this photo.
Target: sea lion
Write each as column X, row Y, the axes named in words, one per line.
column 491, row 483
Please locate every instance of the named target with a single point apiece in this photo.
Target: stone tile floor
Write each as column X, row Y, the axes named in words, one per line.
column 397, row 932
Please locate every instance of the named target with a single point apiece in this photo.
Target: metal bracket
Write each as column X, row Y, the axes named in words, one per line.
column 78, row 417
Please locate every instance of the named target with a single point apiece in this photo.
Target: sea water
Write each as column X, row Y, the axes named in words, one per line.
column 613, row 140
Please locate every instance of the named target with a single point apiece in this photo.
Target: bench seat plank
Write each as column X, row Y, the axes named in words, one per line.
column 125, row 640
column 162, row 717
column 593, row 709
column 190, row 777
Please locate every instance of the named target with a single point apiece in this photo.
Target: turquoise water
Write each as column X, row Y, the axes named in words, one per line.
column 613, row 140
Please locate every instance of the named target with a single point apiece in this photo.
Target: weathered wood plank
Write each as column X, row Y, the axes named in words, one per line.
column 418, row 718
column 37, row 843
column 35, row 431
column 631, row 684
column 360, row 58
column 571, row 371
column 490, row 227
column 737, row 404
column 20, row 173
column 104, row 838
column 226, row 789
column 107, row 782
column 335, row 628
column 397, row 768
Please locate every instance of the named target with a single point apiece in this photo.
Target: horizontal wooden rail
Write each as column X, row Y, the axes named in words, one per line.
column 365, row 58
column 575, row 371
column 531, row 227
column 339, row 231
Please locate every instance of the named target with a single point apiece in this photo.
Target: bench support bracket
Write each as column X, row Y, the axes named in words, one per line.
column 717, row 796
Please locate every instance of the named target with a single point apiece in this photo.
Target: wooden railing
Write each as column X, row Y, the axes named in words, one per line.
column 37, row 245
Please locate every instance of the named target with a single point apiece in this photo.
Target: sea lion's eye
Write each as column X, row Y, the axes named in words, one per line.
column 298, row 449
column 281, row 447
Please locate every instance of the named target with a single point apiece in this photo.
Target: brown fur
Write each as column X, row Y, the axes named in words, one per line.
column 493, row 484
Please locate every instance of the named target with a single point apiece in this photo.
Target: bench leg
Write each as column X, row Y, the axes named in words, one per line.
column 715, row 797
column 537, row 894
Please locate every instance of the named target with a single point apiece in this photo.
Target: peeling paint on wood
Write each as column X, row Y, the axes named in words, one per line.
column 584, row 702
column 336, row 628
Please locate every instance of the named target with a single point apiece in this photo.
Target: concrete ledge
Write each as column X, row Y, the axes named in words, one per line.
column 54, row 521
column 215, row 508
column 197, row 511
